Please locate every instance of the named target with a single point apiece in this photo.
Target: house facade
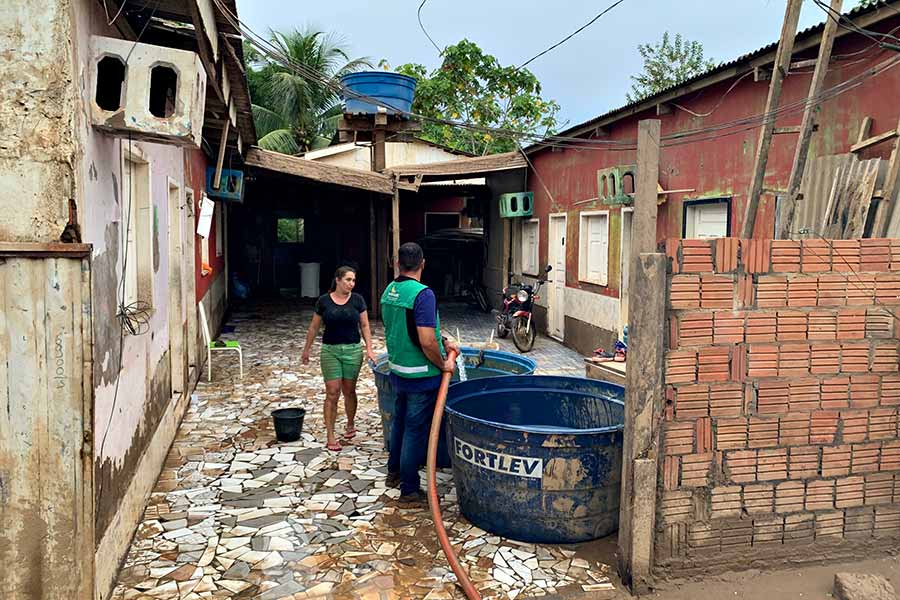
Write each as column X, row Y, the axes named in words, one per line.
column 110, row 116
column 582, row 218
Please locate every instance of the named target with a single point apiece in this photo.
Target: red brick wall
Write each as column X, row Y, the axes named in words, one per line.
column 782, row 395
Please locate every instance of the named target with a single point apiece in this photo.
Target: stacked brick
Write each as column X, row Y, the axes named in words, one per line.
column 782, row 396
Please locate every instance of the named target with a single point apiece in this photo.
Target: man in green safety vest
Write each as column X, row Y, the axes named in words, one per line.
column 417, row 356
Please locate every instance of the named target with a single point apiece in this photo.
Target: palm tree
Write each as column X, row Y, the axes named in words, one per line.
column 293, row 113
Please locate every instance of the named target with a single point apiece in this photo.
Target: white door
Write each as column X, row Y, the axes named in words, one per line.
column 706, row 221
column 556, row 279
column 625, row 270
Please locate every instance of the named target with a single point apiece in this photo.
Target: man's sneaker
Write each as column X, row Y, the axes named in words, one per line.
column 416, row 498
column 393, row 480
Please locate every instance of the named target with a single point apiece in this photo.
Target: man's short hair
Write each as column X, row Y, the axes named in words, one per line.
column 410, row 256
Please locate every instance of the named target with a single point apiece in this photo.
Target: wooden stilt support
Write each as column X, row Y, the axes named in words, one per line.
column 782, row 64
column 217, row 178
column 395, row 230
column 807, row 125
column 374, row 306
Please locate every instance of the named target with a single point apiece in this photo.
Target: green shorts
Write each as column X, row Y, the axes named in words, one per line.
column 341, row 361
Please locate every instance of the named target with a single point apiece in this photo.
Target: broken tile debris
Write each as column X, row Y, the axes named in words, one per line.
column 236, row 514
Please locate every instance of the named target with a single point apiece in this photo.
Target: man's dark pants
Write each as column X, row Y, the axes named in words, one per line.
column 409, row 436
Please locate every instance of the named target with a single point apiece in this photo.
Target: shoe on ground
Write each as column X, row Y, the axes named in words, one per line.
column 416, row 498
column 393, row 480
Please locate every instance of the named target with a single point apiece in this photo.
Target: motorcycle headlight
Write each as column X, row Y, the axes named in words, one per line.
column 522, row 296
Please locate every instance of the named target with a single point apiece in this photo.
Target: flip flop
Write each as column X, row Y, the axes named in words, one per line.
column 334, row 447
column 349, row 434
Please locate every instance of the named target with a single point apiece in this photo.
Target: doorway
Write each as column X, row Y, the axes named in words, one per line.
column 556, row 279
column 177, row 325
column 625, row 253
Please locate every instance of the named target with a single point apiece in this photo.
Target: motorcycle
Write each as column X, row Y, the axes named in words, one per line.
column 515, row 316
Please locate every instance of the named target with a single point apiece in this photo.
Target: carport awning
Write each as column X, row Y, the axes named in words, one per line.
column 318, row 172
column 463, row 167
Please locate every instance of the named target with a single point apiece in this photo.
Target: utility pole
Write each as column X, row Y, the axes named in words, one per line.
column 644, row 385
column 779, row 71
column 808, row 125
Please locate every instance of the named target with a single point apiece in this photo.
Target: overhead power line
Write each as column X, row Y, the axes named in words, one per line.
column 571, row 35
column 687, row 136
column 422, row 27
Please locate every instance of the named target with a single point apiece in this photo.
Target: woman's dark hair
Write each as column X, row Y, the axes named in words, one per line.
column 340, row 274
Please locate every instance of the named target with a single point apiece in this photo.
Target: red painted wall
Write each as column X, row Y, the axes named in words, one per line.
column 715, row 164
column 412, row 218
column 195, row 178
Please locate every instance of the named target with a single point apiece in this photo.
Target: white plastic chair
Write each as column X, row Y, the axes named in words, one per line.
column 233, row 346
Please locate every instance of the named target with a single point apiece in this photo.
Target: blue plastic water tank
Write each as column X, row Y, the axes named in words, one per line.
column 479, row 364
column 394, row 90
column 538, row 458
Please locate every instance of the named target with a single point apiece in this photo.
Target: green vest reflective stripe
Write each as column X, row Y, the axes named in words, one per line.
column 405, row 359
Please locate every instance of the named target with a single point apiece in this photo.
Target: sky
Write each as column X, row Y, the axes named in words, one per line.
column 588, row 75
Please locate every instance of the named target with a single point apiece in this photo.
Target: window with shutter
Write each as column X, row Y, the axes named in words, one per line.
column 593, row 263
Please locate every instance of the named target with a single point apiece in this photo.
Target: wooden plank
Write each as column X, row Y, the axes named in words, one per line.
column 646, row 188
column 887, row 207
column 395, row 231
column 43, row 250
column 865, row 129
column 808, row 123
column 782, row 64
column 784, row 130
column 220, row 160
column 464, row 166
column 205, row 50
column 320, row 172
column 877, row 139
column 860, row 197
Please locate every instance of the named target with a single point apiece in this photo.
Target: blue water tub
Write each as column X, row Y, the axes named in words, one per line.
column 394, row 90
column 538, row 458
column 479, row 365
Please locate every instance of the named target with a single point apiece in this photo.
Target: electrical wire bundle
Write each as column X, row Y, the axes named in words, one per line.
column 270, row 51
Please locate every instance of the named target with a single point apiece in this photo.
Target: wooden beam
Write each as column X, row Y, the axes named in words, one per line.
column 204, row 49
column 762, row 74
column 783, row 130
column 865, row 129
column 646, row 188
column 877, row 139
column 40, row 250
column 887, row 207
column 374, row 304
column 395, row 231
column 319, row 172
column 223, row 143
column 810, row 114
column 782, row 63
column 378, row 151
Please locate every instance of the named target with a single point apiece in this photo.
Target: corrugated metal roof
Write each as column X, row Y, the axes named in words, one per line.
column 650, row 100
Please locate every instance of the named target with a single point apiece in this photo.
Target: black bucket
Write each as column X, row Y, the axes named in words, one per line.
column 288, row 423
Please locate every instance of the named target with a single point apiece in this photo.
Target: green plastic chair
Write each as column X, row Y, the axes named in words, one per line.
column 212, row 346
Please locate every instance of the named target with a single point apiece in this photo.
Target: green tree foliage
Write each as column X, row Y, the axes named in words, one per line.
column 866, row 3
column 472, row 87
column 292, row 113
column 667, row 63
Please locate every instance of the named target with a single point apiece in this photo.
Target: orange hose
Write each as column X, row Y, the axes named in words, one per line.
column 461, row 576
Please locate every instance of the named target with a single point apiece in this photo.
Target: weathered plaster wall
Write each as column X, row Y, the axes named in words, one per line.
column 127, row 414
column 37, row 99
column 720, row 165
